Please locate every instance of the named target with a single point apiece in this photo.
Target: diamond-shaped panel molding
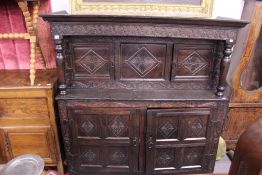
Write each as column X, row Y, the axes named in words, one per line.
column 117, row 126
column 194, row 62
column 91, row 61
column 165, row 159
column 87, row 127
column 118, row 157
column 90, row 156
column 191, row 156
column 143, row 61
column 168, row 128
column 196, row 127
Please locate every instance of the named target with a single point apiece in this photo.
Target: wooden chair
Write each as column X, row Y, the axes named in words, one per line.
column 31, row 35
column 246, row 104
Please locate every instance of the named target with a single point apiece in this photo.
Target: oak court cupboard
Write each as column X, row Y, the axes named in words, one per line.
column 142, row 95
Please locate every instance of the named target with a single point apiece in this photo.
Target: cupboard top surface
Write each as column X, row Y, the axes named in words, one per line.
column 172, row 27
column 140, row 95
column 19, row 79
column 223, row 22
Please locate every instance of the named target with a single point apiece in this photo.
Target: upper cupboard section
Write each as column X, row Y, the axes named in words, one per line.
column 140, row 63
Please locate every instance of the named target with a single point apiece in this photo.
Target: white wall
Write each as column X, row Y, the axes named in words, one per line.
column 222, row 8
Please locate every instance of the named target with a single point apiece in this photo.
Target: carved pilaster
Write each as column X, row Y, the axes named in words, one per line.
column 65, row 127
column 224, row 66
column 61, row 63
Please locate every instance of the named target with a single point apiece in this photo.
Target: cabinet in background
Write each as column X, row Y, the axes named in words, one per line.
column 27, row 117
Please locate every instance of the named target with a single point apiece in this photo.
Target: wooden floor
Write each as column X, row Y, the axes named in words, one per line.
column 221, row 168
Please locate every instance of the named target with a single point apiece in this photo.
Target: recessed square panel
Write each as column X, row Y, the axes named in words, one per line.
column 90, row 155
column 196, row 127
column 93, row 60
column 192, row 157
column 142, row 61
column 88, row 126
column 194, row 63
column 165, row 158
column 117, row 156
column 117, row 126
column 167, row 127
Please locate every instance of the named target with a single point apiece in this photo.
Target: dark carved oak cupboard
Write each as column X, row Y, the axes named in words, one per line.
column 142, row 95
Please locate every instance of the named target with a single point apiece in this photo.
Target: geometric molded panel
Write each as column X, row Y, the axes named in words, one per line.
column 143, row 61
column 194, row 63
column 193, row 156
column 167, row 127
column 117, row 156
column 91, row 61
column 165, row 158
column 90, row 155
column 118, row 126
column 87, row 127
column 196, row 126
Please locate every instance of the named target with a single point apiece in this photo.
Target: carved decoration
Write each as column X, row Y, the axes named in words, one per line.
column 91, row 61
column 143, row 61
column 88, row 127
column 90, row 156
column 65, row 122
column 197, row 127
column 194, row 63
column 168, row 129
column 119, row 157
column 165, row 159
column 117, row 126
column 178, row 31
column 191, row 156
column 140, row 85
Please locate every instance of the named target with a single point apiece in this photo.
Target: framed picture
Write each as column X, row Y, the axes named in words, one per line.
column 189, row 8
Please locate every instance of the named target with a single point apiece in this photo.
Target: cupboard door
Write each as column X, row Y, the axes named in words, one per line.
column 40, row 141
column 106, row 140
column 177, row 140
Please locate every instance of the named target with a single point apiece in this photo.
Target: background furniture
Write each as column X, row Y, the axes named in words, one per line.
column 142, row 95
column 27, row 117
column 31, row 35
column 248, row 155
column 15, row 53
column 246, row 101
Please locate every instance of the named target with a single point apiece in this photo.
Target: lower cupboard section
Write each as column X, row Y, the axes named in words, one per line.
column 139, row 141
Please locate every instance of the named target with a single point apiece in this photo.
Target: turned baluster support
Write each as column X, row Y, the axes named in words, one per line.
column 224, row 66
column 35, row 15
column 61, row 63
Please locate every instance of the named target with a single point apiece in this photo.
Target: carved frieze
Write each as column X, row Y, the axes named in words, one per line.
column 175, row 31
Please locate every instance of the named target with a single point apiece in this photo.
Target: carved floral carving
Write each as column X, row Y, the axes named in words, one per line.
column 178, row 31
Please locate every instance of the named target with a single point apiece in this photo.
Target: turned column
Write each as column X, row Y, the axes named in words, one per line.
column 224, row 66
column 61, row 63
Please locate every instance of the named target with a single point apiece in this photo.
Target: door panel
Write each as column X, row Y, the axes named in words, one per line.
column 38, row 141
column 177, row 140
column 107, row 140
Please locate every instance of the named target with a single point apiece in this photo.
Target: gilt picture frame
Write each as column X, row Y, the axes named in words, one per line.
column 184, row 8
